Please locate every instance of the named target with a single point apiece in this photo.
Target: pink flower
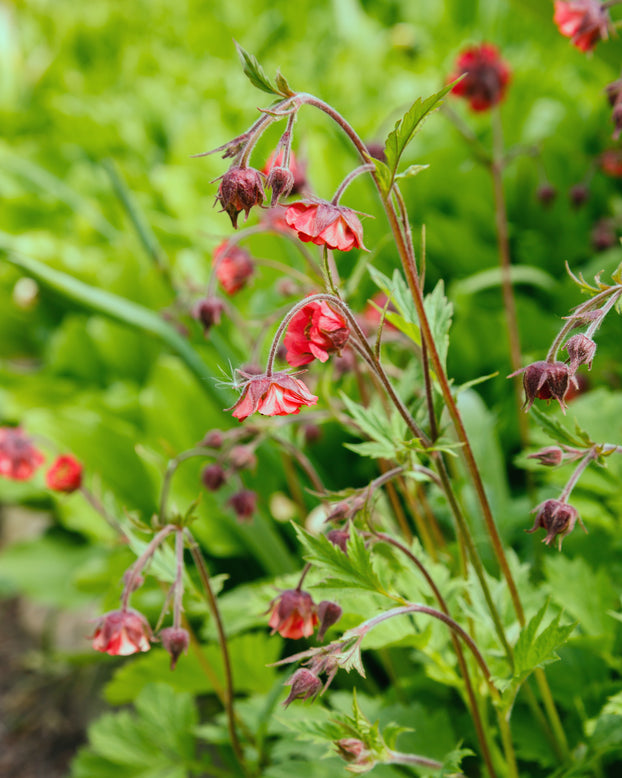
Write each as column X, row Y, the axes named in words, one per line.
column 65, row 474
column 325, row 224
column 234, row 267
column 293, row 614
column 19, row 459
column 240, row 189
column 121, row 633
column 585, row 22
column 486, row 79
column 315, row 332
column 276, row 395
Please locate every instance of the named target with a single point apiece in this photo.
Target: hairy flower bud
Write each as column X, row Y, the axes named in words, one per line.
column 207, row 312
column 557, row 518
column 244, row 504
column 213, row 439
column 545, row 381
column 243, row 458
column 328, row 613
column 305, row 684
column 551, row 456
column 281, row 181
column 213, row 477
column 578, row 195
column 581, row 350
column 240, row 189
column 339, row 538
column 176, row 641
column 355, row 752
column 546, row 194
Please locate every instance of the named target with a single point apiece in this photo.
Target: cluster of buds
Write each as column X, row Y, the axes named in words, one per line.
column 294, row 615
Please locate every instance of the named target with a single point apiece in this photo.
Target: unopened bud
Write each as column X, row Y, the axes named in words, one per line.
column 339, row 538
column 176, row 641
column 581, row 350
column 328, row 613
column 243, row 458
column 354, row 751
column 208, row 312
column 305, row 684
column 578, row 195
column 213, row 439
column 281, row 181
column 244, row 504
column 550, row 456
column 546, row 194
column 213, row 477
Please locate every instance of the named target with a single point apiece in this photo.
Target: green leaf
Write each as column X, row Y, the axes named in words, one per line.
column 535, row 650
column 488, row 279
column 255, row 73
column 412, row 171
column 387, row 435
column 557, row 431
column 406, row 128
column 353, row 569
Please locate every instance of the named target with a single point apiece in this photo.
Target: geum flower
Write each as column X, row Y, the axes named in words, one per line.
column 486, row 76
column 279, row 394
column 326, row 224
column 546, row 381
column 557, row 518
column 19, row 459
column 122, row 632
column 315, row 332
column 240, row 189
column 65, row 474
column 585, row 22
column 293, row 614
column 233, row 267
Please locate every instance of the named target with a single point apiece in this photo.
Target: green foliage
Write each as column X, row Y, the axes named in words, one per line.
column 256, row 75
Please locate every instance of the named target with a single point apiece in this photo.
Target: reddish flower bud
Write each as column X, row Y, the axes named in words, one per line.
column 176, row 641
column 326, row 224
column 604, row 235
column 585, row 22
column 486, row 76
column 315, row 332
column 338, row 537
column 614, row 94
column 328, row 614
column 121, row 633
column 131, row 581
column 581, row 350
column 243, row 458
column 293, row 614
column 65, row 474
column 355, row 752
column 234, row 267
column 551, row 456
column 545, row 381
column 244, row 503
column 240, row 189
column 277, row 395
column 557, row 518
column 19, row 459
column 214, row 439
column 281, row 181
column 546, row 194
column 296, row 168
column 305, row 684
column 611, row 162
column 376, row 150
column 578, row 195
column 208, row 312
column 213, row 477
column 312, row 433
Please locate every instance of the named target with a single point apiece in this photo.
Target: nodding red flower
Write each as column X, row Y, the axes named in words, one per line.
column 545, row 381
column 19, row 459
column 611, row 162
column 315, row 332
column 276, row 395
column 122, row 632
column 234, row 267
column 326, row 224
column 176, row 641
column 240, row 189
column 486, row 76
column 293, row 614
column 65, row 474
column 557, row 518
column 585, row 22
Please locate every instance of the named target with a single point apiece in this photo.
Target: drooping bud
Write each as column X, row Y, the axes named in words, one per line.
column 355, row 752
column 545, row 381
column 240, row 189
column 546, row 194
column 578, row 195
column 214, row 439
column 312, row 433
column 207, row 312
column 581, row 350
column 281, row 181
column 328, row 613
column 339, row 538
column 305, row 684
column 243, row 458
column 213, row 477
column 551, row 456
column 557, row 518
column 176, row 641
column 604, row 235
column 293, row 614
column 244, row 504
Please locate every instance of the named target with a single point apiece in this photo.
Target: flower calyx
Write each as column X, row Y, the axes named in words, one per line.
column 241, row 188
column 545, row 381
column 558, row 518
column 305, row 685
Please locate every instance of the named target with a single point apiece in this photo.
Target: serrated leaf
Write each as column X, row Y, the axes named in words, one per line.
column 372, row 449
column 534, row 650
column 254, row 72
column 383, row 174
column 453, row 760
column 406, row 128
column 353, row 569
column 557, row 431
column 376, row 426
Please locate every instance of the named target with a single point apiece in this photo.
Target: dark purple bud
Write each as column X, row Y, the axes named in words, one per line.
column 578, row 195
column 213, row 477
column 281, row 181
column 176, row 641
column 545, row 381
column 550, row 456
column 244, row 504
column 240, row 189
column 339, row 538
column 328, row 613
column 208, row 312
column 557, row 518
column 305, row 684
column 213, row 439
column 546, row 194
column 376, row 150
column 581, row 350
column 243, row 458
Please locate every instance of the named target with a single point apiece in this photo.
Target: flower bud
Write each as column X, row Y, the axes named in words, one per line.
column 305, row 684
column 339, row 538
column 312, row 433
column 240, row 189
column 603, row 235
column 243, row 458
column 328, row 613
column 208, row 312
column 578, row 195
column 355, row 752
column 546, row 194
column 550, row 456
column 176, row 641
column 557, row 518
column 281, row 181
column 581, row 350
column 545, row 381
column 244, row 504
column 213, row 439
column 213, row 477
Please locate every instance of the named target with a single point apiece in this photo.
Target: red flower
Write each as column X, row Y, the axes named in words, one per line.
column 277, row 395
column 585, row 22
column 121, row 633
column 611, row 162
column 325, row 224
column 293, row 614
column 486, row 79
column 315, row 332
column 65, row 474
column 234, row 267
column 18, row 457
column 240, row 189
